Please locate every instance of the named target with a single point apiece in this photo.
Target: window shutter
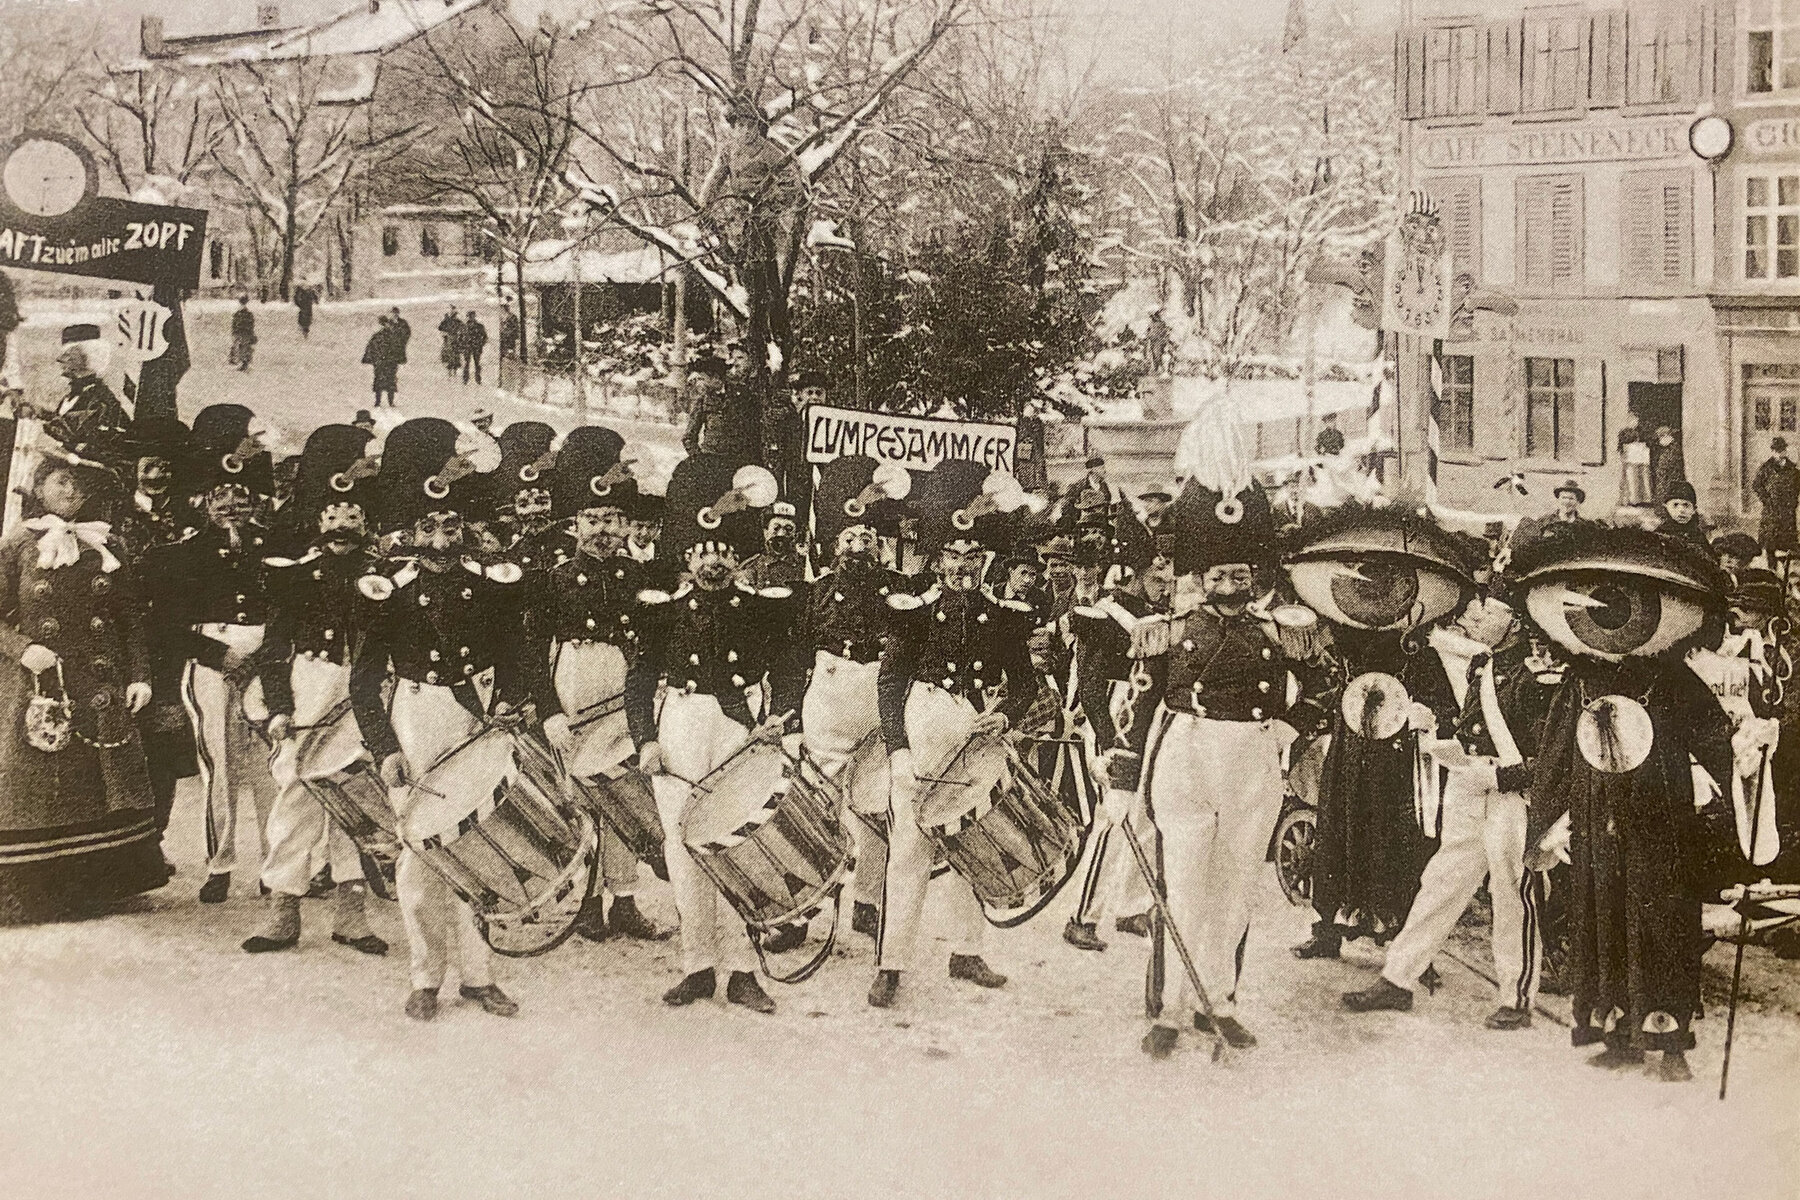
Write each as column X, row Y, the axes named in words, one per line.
column 1657, row 229
column 1677, row 230
column 1531, row 241
column 1459, row 206
column 1409, row 74
column 1606, row 71
column 1551, row 250
column 1505, row 62
column 1590, row 413
column 1566, row 265
column 1639, row 232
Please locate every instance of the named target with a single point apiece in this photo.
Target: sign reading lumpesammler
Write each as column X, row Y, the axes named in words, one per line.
column 916, row 443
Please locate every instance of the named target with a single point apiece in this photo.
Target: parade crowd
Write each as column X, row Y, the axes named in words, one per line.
column 491, row 676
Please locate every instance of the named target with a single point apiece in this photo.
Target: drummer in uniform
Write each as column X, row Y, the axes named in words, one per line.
column 314, row 609
column 847, row 620
column 441, row 624
column 956, row 666
column 711, row 640
column 523, row 522
column 1213, row 682
column 1143, row 585
column 207, row 592
column 781, row 563
column 581, row 636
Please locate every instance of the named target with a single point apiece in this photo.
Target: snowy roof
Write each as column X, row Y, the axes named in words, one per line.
column 371, row 27
column 554, row 261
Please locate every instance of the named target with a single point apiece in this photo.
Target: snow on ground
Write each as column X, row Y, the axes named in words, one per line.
column 148, row 1056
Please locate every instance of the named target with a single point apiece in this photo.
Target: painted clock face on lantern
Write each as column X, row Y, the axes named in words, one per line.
column 43, row 177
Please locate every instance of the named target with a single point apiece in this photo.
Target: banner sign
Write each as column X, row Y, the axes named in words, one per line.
column 108, row 239
column 916, row 443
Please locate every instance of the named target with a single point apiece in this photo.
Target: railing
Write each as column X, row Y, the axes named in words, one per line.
column 556, row 386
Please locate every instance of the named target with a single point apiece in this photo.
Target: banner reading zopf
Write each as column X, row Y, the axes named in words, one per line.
column 916, row 443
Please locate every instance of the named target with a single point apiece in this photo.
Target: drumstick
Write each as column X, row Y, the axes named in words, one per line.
column 1162, row 907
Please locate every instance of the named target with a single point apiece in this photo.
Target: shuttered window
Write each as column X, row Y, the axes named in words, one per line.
column 1550, row 252
column 1453, row 68
column 1662, row 48
column 1459, row 208
column 1606, row 62
column 1771, row 46
column 1656, row 230
column 1505, row 64
column 1550, row 408
column 1553, row 61
column 1456, row 420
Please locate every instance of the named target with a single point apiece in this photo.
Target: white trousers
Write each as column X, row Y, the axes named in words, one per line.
column 297, row 823
column 1215, row 791
column 696, row 737
column 1482, row 834
column 1114, row 883
column 937, row 725
column 440, row 928
column 586, row 674
column 840, row 709
column 228, row 754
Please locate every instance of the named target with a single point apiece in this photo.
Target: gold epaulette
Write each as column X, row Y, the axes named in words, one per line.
column 1152, row 636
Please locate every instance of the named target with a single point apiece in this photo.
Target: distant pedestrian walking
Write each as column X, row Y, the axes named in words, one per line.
column 304, row 300
column 509, row 334
column 243, row 335
column 450, row 353
column 385, row 352
column 473, row 342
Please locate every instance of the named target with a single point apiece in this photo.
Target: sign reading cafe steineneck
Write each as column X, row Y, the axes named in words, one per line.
column 1619, row 141
column 916, row 443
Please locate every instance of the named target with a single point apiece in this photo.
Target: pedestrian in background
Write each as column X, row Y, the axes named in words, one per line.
column 473, row 344
column 385, row 352
column 1777, row 487
column 1668, row 465
column 450, row 353
column 304, row 300
column 1635, row 490
column 243, row 335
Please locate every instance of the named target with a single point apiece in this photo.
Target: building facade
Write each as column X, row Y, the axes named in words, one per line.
column 1630, row 175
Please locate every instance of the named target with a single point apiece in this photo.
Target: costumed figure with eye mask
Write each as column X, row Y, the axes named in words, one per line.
column 714, row 639
column 523, row 484
column 781, row 563
column 581, row 625
column 208, row 595
column 315, row 612
column 1143, row 584
column 1379, row 579
column 1636, row 745
column 1213, row 685
column 1483, row 753
column 847, row 619
column 443, row 627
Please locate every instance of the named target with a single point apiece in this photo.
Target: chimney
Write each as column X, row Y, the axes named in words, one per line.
column 150, row 37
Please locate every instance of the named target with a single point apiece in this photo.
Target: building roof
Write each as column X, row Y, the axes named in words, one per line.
column 370, row 27
column 553, row 261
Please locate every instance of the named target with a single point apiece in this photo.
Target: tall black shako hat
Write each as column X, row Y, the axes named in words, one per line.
column 1131, row 547
column 333, row 470
column 713, row 503
column 422, row 473
column 856, row 490
column 1222, row 515
column 590, row 473
column 526, row 455
column 223, row 451
column 966, row 505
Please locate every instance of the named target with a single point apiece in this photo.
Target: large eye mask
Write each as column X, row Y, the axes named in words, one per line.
column 1613, row 614
column 1377, row 592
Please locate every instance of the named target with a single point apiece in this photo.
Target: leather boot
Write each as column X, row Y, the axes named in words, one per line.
column 1324, row 943
column 881, row 992
column 972, row 968
column 1235, row 1035
column 1382, row 996
column 698, row 986
column 1160, row 1041
column 625, row 920
column 1507, row 1017
column 493, row 1001
column 1137, row 924
column 742, row 989
column 591, row 922
column 321, row 884
column 216, row 888
column 1081, row 935
column 350, row 921
column 422, row 1005
column 785, row 938
column 281, row 927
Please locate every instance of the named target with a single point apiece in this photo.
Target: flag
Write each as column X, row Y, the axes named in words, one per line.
column 1295, row 31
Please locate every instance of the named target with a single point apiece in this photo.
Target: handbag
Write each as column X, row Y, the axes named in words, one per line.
column 49, row 720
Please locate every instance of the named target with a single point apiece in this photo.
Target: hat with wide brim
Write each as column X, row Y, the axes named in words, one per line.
column 1569, row 485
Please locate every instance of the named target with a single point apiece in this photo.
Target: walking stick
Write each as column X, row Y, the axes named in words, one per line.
column 1162, row 910
column 1737, row 967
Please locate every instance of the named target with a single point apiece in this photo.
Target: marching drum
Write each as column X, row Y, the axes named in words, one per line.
column 865, row 781
column 487, row 819
column 1001, row 829
column 611, row 790
column 358, row 801
column 766, row 828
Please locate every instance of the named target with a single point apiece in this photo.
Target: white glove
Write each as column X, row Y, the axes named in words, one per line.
column 1484, row 773
column 558, row 733
column 650, row 758
column 1115, row 805
column 900, row 765
column 1420, row 718
column 37, row 659
column 1754, row 736
column 1552, row 848
column 280, row 725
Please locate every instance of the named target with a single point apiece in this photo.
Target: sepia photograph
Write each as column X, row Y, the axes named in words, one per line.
column 958, row 599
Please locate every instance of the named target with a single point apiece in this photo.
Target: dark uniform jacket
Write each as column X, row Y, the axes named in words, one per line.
column 1102, row 634
column 204, row 579
column 581, row 599
column 967, row 643
column 314, row 611
column 1223, row 668
column 1524, row 700
column 140, row 525
column 709, row 643
column 90, row 413
column 847, row 612
column 440, row 628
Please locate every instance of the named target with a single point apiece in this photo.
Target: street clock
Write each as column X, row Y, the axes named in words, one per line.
column 46, row 174
column 1711, row 137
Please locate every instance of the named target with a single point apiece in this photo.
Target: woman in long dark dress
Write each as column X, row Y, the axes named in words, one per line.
column 77, row 824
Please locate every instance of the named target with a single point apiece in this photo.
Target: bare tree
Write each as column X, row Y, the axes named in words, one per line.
column 46, row 62
column 291, row 151
column 151, row 123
